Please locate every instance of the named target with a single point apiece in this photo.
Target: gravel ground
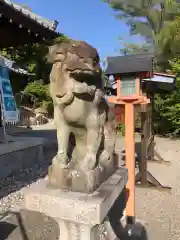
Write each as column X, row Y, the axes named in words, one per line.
column 160, row 211
column 11, row 194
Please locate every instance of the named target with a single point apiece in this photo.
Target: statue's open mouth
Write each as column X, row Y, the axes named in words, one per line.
column 82, row 72
column 82, row 75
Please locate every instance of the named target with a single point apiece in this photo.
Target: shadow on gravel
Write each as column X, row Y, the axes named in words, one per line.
column 30, row 174
column 6, row 229
column 28, row 225
column 121, row 231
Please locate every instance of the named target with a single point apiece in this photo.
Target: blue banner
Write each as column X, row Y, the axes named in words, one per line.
column 8, row 107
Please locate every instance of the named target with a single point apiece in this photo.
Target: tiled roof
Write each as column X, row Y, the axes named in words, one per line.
column 50, row 24
column 11, row 65
column 129, row 64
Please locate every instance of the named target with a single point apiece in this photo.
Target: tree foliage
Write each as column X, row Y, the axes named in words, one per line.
column 168, row 106
column 132, row 48
column 38, row 93
column 150, row 19
column 145, row 17
column 32, row 57
column 170, row 39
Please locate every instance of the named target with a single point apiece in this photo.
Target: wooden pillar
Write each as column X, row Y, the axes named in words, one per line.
column 150, row 116
column 144, row 142
column 147, row 138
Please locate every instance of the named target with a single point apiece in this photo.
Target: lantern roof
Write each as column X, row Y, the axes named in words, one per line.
column 119, row 65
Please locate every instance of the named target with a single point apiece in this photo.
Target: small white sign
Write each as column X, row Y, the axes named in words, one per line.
column 162, row 79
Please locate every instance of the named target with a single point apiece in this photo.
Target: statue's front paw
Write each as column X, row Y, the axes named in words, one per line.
column 61, row 159
column 59, row 175
column 89, row 162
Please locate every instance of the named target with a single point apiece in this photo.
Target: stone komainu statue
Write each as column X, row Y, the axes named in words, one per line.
column 80, row 109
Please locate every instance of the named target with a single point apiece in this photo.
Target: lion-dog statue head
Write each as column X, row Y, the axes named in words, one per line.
column 75, row 57
column 74, row 62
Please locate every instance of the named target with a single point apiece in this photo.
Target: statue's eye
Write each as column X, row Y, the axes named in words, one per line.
column 60, row 56
column 72, row 56
column 59, row 53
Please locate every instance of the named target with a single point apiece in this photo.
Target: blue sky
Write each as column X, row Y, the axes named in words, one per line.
column 89, row 20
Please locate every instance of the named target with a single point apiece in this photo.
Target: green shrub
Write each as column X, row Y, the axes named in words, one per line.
column 121, row 128
column 167, row 107
column 40, row 92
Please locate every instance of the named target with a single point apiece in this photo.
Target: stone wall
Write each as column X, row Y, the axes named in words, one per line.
column 17, row 155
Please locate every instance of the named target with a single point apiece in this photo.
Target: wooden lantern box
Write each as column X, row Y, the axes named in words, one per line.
column 127, row 72
column 128, row 87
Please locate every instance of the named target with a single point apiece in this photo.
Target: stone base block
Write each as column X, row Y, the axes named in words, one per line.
column 71, row 177
column 80, row 216
column 86, row 182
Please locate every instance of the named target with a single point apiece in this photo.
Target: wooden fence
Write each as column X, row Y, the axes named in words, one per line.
column 27, row 117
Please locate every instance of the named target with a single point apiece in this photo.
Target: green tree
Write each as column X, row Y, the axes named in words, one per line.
column 33, row 58
column 167, row 114
column 170, row 39
column 39, row 94
column 132, row 48
column 147, row 18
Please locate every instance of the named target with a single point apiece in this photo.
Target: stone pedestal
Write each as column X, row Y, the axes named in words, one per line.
column 80, row 216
